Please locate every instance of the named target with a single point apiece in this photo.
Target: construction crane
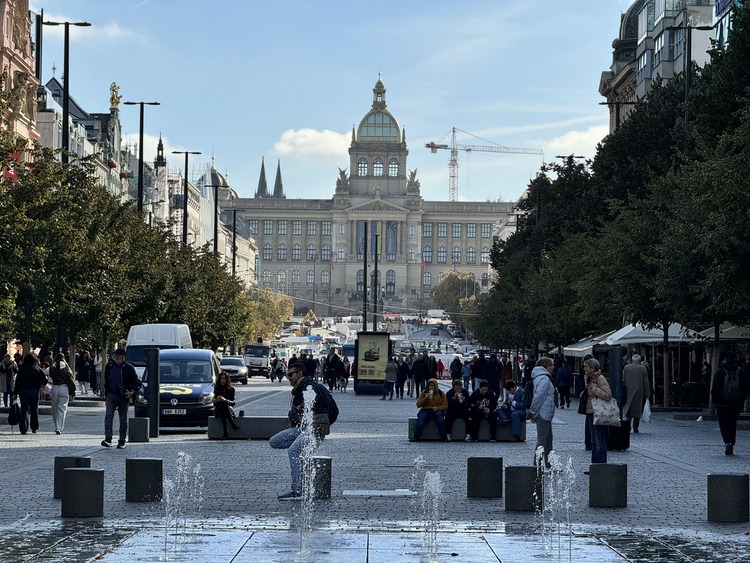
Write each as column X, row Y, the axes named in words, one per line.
column 455, row 147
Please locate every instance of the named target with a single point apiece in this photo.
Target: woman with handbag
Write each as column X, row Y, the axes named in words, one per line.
column 223, row 403
column 62, row 382
column 596, row 387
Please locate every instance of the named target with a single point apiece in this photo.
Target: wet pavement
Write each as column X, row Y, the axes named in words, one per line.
column 369, row 517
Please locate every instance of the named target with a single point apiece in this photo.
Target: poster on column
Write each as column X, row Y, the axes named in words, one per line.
column 372, row 355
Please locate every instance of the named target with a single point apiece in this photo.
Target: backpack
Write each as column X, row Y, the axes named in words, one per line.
column 331, row 406
column 528, row 394
column 13, row 414
column 732, row 390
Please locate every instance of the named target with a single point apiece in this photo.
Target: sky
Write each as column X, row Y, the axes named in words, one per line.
column 242, row 80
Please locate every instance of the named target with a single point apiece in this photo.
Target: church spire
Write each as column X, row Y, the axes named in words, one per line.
column 160, row 160
column 378, row 95
column 278, row 185
column 262, row 184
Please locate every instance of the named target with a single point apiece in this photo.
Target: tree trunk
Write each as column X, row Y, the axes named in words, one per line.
column 714, row 364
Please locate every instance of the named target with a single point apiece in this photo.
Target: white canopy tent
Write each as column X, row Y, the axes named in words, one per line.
column 585, row 346
column 728, row 332
column 639, row 334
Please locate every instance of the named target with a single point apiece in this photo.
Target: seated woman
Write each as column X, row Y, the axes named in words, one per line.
column 512, row 409
column 432, row 404
column 223, row 401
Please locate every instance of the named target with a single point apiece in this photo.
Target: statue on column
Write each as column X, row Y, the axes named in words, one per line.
column 114, row 95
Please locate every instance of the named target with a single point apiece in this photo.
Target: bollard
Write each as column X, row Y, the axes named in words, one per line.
column 524, row 491
column 138, row 429
column 82, row 493
column 608, row 485
column 323, row 474
column 727, row 497
column 63, row 462
column 144, row 479
column 484, row 477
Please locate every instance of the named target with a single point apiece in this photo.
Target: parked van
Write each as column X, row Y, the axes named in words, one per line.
column 161, row 336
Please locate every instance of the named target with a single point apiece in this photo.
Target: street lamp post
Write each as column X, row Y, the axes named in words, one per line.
column 185, row 193
column 66, row 84
column 140, row 150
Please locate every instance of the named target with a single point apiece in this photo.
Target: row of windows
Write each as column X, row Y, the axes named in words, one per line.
column 326, row 228
column 325, row 278
column 363, row 167
column 457, row 230
column 441, row 254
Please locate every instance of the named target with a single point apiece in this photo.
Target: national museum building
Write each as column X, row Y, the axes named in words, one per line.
column 313, row 249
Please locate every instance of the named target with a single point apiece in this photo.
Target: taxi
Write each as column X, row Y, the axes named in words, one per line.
column 186, row 387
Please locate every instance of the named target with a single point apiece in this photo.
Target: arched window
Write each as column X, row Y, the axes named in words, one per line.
column 427, row 254
column 295, row 277
column 485, row 279
column 471, row 255
column 360, row 281
column 311, row 255
column 310, row 277
column 267, row 251
column 296, row 252
column 325, row 253
column 442, row 255
column 341, row 254
column 377, row 167
column 390, row 282
column 325, row 277
column 456, row 255
column 281, row 278
column 266, row 277
column 412, row 255
column 393, row 167
column 362, row 167
column 426, row 279
column 281, row 253
column 485, row 255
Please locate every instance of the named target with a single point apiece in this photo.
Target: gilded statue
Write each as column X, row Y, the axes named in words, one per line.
column 114, row 95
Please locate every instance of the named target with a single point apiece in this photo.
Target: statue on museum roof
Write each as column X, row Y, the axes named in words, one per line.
column 114, row 95
column 342, row 183
column 412, row 184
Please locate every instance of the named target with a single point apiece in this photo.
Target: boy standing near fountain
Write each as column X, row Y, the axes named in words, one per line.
column 294, row 439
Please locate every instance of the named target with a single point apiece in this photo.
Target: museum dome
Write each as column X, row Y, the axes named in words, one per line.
column 379, row 124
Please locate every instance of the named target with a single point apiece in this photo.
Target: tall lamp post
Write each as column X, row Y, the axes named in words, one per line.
column 140, row 150
column 185, row 193
column 66, row 84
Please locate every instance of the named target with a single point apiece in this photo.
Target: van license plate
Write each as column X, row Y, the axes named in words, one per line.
column 173, row 411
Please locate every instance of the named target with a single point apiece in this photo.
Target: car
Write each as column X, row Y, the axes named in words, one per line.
column 434, row 331
column 186, row 387
column 235, row 367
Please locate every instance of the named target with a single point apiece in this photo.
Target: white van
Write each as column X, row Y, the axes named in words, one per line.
column 162, row 336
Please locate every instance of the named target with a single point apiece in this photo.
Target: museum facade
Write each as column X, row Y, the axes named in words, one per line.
column 313, row 249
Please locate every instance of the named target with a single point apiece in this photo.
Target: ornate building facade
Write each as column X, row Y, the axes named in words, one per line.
column 313, row 249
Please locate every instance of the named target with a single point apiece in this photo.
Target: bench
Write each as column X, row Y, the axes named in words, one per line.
column 251, row 427
column 458, row 432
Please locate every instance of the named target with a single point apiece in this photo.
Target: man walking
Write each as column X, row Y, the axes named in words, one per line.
column 728, row 391
column 635, row 379
column 120, row 385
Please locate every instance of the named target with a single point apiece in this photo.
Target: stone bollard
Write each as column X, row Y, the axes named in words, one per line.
column 608, row 485
column 323, row 474
column 524, row 491
column 63, row 462
column 138, row 429
column 82, row 493
column 727, row 497
column 484, row 477
column 144, row 479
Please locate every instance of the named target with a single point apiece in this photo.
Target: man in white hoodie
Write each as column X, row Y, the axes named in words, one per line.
column 542, row 408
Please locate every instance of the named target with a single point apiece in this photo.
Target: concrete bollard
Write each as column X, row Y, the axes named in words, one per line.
column 727, row 497
column 323, row 477
column 608, row 485
column 144, row 479
column 82, row 493
column 484, row 477
column 524, row 490
column 138, row 429
column 63, row 462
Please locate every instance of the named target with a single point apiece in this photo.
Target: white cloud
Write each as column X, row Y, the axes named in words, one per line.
column 312, row 144
column 576, row 142
column 95, row 32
